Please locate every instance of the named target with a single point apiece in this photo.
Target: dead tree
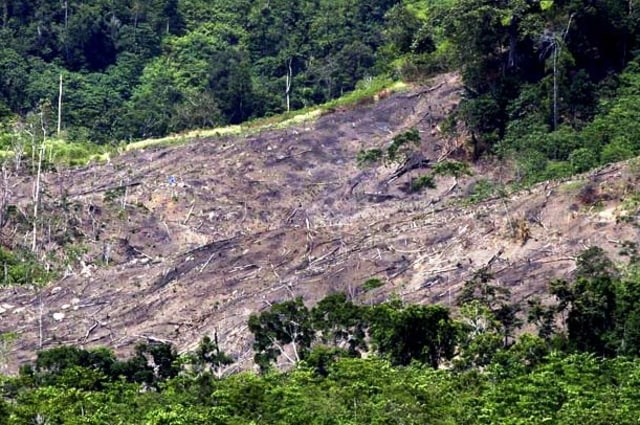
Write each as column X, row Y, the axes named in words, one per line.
column 289, row 78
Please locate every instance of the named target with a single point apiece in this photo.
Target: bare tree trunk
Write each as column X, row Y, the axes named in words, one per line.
column 18, row 149
column 40, row 316
column 36, row 188
column 59, row 107
column 555, row 85
column 5, row 195
column 295, row 347
column 5, row 13
column 288, row 84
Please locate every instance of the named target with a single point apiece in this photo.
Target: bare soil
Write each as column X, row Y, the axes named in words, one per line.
column 253, row 220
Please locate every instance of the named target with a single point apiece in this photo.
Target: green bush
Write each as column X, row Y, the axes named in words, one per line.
column 423, row 182
column 399, row 144
column 618, row 150
column 558, row 170
column 369, row 156
column 371, row 284
column 452, row 168
column 484, row 189
column 582, row 160
column 21, row 268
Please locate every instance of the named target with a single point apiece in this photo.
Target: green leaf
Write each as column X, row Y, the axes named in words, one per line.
column 546, row 4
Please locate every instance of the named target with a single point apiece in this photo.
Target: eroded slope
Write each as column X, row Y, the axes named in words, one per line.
column 184, row 240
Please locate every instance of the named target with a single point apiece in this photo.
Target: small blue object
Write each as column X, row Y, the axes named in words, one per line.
column 172, row 180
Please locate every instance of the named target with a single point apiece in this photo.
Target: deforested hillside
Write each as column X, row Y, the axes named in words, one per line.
column 173, row 243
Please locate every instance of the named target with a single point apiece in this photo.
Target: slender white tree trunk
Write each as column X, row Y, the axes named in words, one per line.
column 59, row 107
column 555, row 85
column 36, row 186
column 288, row 84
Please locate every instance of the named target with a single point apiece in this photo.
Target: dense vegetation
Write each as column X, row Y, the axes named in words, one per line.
column 553, row 84
column 422, row 365
column 140, row 69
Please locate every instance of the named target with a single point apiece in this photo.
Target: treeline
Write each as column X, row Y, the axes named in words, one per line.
column 386, row 363
column 551, row 85
column 140, row 69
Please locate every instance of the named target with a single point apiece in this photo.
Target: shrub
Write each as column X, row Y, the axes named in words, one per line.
column 484, row 189
column 369, row 156
column 558, row 169
column 452, row 168
column 582, row 160
column 371, row 284
column 618, row 150
column 422, row 182
column 398, row 143
column 21, row 268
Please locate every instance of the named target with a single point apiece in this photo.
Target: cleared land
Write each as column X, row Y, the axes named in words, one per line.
column 171, row 243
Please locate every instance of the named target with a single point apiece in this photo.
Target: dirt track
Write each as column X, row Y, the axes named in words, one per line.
column 258, row 219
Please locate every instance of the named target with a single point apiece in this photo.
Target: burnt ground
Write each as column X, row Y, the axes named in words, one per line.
column 261, row 218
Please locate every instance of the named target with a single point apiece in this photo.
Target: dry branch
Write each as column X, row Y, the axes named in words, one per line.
column 186, row 220
column 91, row 329
column 155, row 339
column 106, row 188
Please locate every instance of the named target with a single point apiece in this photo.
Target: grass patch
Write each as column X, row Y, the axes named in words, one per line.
column 364, row 93
column 572, row 187
column 58, row 152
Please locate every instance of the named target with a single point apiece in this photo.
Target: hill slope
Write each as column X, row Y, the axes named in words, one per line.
column 180, row 241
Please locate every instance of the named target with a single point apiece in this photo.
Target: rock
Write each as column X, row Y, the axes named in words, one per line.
column 58, row 316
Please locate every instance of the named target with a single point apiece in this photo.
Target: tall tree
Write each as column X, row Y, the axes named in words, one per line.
column 422, row 333
column 286, row 324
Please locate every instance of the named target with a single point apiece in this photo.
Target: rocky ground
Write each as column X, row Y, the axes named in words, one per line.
column 174, row 243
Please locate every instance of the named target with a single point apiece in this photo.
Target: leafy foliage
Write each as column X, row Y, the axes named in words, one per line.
column 286, row 323
column 400, row 145
column 422, row 182
column 369, row 156
column 339, row 322
column 138, row 69
column 452, row 168
column 372, row 283
column 21, row 268
column 421, row 333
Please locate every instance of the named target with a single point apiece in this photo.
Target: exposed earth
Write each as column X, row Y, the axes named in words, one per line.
column 172, row 243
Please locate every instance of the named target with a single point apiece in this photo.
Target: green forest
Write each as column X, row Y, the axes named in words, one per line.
column 373, row 364
column 139, row 69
